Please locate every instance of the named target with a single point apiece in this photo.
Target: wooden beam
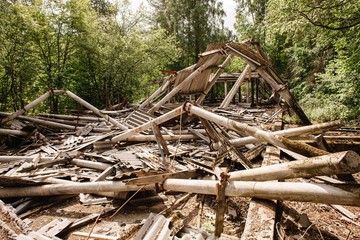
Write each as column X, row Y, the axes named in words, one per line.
column 260, row 220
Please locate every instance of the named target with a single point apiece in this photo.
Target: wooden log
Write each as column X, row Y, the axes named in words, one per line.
column 75, row 118
column 156, row 93
column 96, row 111
column 342, row 194
column 22, row 158
column 234, row 89
column 255, row 132
column 90, row 164
column 14, row 132
column 347, row 162
column 31, row 105
column 163, row 118
column 310, row 129
column 54, row 124
column 160, row 140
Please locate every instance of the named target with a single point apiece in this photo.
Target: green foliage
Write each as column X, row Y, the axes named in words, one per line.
column 195, row 24
column 99, row 49
column 315, row 47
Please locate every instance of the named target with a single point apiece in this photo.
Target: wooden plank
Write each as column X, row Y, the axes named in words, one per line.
column 260, row 221
column 160, row 140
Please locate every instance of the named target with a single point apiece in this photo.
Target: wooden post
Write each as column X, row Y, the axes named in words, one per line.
column 257, row 91
column 248, row 91
column 235, row 87
column 252, row 92
column 225, row 88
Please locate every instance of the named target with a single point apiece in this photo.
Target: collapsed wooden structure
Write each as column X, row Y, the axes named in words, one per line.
column 164, row 145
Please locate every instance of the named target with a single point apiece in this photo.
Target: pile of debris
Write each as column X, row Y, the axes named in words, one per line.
column 199, row 170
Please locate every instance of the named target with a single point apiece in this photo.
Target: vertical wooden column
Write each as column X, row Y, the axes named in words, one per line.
column 248, row 91
column 257, row 91
column 225, row 88
column 240, row 96
column 252, row 91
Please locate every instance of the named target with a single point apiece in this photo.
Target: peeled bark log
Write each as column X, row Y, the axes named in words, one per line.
column 342, row 194
column 347, row 162
column 311, row 129
column 55, row 124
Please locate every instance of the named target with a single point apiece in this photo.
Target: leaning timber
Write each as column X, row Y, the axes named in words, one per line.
column 255, row 132
column 32, row 104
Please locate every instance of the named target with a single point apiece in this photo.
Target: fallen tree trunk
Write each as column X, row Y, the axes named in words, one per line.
column 347, row 162
column 342, row 194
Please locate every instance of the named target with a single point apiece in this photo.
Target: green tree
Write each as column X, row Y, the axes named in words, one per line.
column 122, row 57
column 249, row 19
column 17, row 63
column 194, row 23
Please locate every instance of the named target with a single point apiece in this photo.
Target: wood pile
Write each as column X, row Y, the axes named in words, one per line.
column 178, row 171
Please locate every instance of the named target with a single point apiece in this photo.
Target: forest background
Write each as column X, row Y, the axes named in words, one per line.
column 106, row 52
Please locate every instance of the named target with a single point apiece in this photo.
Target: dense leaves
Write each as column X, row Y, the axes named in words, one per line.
column 194, row 23
column 99, row 49
column 315, row 47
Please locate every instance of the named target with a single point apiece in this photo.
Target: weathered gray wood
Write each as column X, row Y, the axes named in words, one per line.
column 225, row 103
column 163, row 118
column 255, row 132
column 96, row 111
column 260, row 220
column 347, row 162
column 213, row 79
column 342, row 194
column 160, row 140
column 156, row 93
column 31, row 105
column 178, row 88
column 291, row 132
column 14, row 132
